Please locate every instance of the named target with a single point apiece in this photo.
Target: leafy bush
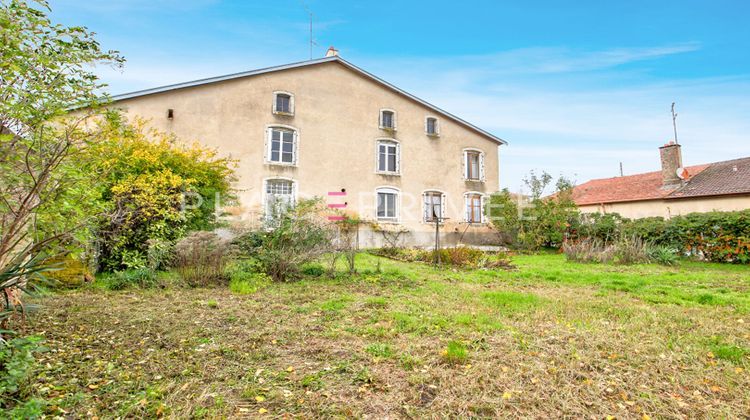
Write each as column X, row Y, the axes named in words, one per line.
column 154, row 189
column 142, row 278
column 16, row 367
column 313, row 270
column 201, row 259
column 714, row 236
column 541, row 221
column 248, row 243
column 301, row 235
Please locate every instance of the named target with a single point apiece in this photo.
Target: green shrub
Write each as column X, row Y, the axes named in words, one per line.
column 154, row 188
column 313, row 270
column 16, row 368
column 663, row 254
column 248, row 243
column 299, row 235
column 143, row 278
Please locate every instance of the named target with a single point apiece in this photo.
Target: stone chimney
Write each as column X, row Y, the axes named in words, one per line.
column 332, row 52
column 671, row 159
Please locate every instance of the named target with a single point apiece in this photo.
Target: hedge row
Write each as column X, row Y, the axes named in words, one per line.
column 714, row 236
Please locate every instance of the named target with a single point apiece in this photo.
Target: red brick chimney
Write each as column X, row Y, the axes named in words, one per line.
column 671, row 160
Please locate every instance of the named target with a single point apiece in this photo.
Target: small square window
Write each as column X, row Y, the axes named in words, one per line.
column 283, row 103
column 388, row 120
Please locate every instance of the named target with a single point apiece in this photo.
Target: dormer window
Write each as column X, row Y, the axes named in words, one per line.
column 387, row 119
column 283, row 103
column 431, row 126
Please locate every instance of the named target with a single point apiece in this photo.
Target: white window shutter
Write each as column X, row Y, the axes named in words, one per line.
column 395, row 120
column 275, row 101
column 398, row 158
column 463, row 165
column 295, row 157
column 267, row 145
column 425, row 125
column 291, row 104
column 442, row 206
column 481, row 166
column 380, row 118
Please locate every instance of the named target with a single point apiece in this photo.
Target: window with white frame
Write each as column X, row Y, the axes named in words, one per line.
column 473, row 163
column 389, row 156
column 387, row 204
column 431, row 126
column 283, row 103
column 282, row 146
column 387, row 119
column 279, row 197
column 433, row 206
column 474, row 207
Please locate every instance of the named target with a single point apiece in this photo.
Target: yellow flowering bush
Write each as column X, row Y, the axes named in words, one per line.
column 157, row 190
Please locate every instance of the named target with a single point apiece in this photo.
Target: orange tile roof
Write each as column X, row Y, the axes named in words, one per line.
column 646, row 186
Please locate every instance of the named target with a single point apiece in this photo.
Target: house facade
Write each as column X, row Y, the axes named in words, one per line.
column 326, row 128
column 673, row 191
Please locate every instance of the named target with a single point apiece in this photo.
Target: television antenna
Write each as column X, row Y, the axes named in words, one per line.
column 674, row 123
column 310, row 15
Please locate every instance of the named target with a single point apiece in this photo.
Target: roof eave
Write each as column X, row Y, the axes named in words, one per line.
column 338, row 59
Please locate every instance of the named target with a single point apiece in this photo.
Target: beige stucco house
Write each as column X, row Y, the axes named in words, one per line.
column 673, row 191
column 329, row 129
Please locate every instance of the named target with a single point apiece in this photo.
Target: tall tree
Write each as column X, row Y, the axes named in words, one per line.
column 46, row 70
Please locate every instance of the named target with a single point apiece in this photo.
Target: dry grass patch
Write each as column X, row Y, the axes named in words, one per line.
column 412, row 342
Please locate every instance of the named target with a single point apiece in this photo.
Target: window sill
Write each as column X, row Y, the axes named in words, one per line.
column 290, row 165
column 433, row 135
column 473, row 180
column 283, row 114
column 384, row 173
column 389, row 221
column 389, row 129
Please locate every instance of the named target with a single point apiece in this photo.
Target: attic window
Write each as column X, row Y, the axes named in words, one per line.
column 387, row 119
column 283, row 103
column 431, row 126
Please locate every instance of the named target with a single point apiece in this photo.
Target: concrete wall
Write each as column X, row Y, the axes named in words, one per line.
column 670, row 208
column 336, row 117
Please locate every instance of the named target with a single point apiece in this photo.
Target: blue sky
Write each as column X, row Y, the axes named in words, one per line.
column 575, row 86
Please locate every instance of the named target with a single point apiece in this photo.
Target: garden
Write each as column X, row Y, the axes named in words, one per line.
column 121, row 300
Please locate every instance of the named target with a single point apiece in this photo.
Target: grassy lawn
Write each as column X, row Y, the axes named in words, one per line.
column 551, row 338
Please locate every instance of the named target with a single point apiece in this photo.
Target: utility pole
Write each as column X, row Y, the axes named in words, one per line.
column 674, row 123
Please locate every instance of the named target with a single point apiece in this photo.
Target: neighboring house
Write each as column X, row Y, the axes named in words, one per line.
column 327, row 128
column 673, row 191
